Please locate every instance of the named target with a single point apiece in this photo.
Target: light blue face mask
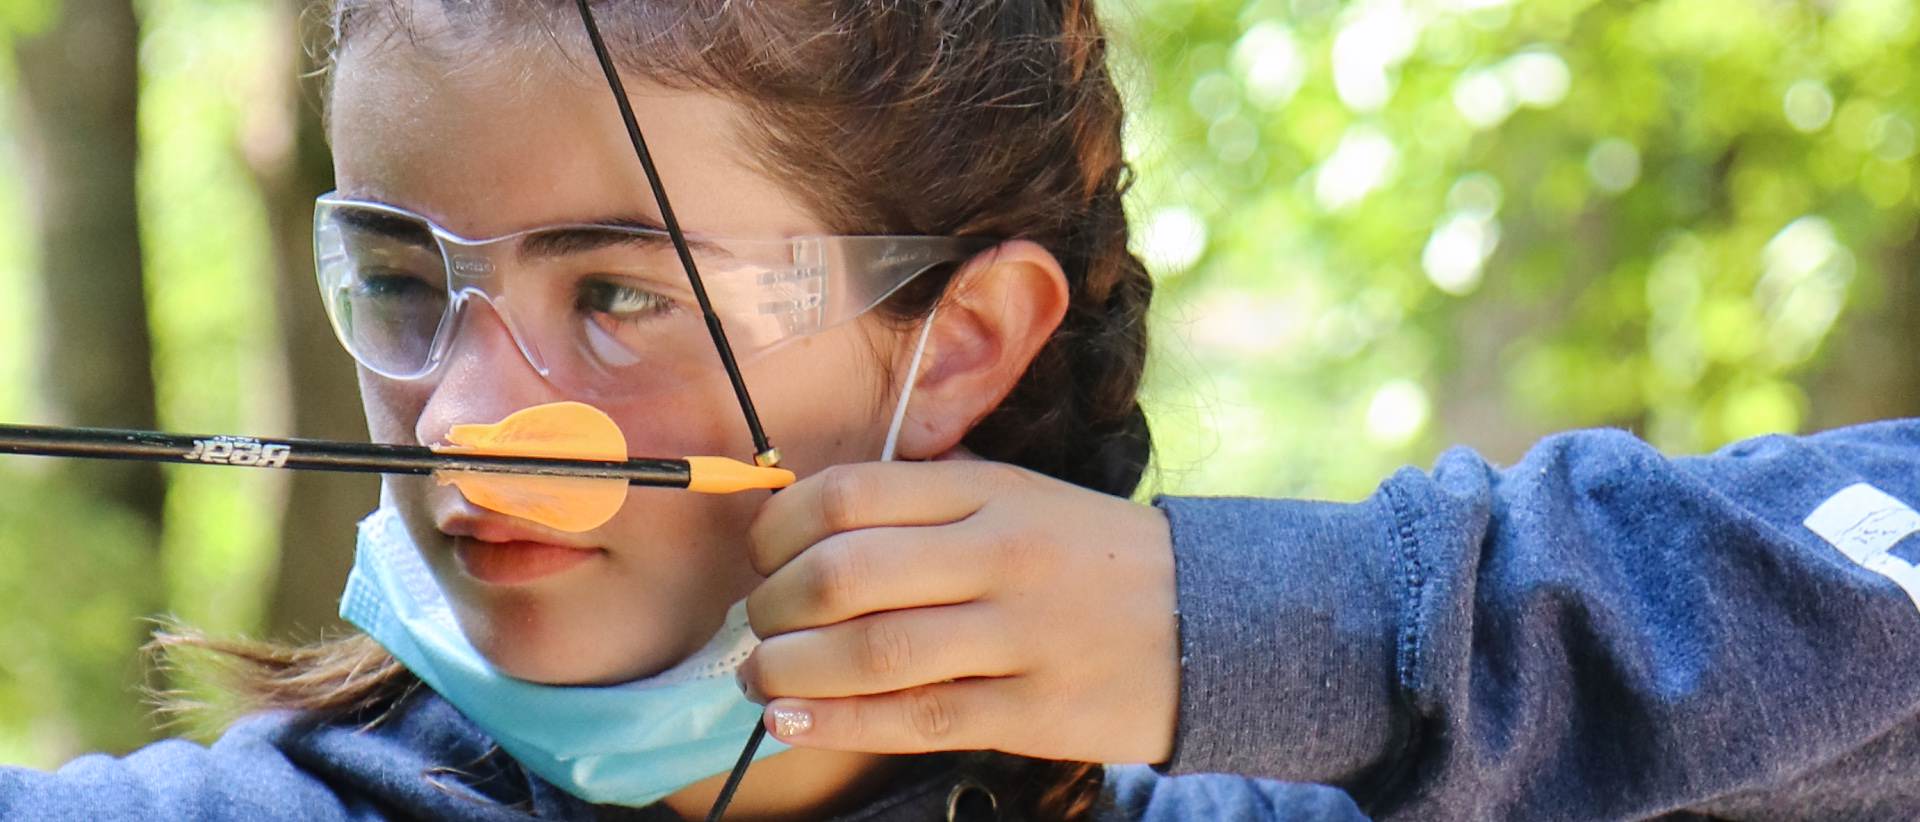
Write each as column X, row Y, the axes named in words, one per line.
column 630, row 744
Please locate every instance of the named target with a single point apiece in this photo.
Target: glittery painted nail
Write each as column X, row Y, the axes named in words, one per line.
column 790, row 722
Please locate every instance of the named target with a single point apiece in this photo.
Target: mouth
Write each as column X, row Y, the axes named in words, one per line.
column 498, row 552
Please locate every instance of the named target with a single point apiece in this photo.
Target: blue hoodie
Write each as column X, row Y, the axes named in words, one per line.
column 1598, row 632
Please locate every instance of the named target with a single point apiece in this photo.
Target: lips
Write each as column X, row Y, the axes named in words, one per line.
column 518, row 562
column 504, row 552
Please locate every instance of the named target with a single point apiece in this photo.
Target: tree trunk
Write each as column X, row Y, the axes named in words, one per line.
column 79, row 91
column 317, row 531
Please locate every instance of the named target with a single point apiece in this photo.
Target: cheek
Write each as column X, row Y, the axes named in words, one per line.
column 829, row 408
column 392, row 408
column 697, row 419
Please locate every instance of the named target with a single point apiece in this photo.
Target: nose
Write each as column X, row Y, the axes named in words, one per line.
column 484, row 377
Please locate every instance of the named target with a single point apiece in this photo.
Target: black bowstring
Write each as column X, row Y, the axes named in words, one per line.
column 764, row 452
column 738, row 773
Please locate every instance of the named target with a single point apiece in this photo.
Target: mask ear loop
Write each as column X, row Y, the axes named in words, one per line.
column 764, row 452
column 906, row 391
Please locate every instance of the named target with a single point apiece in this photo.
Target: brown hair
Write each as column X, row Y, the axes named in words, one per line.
column 981, row 118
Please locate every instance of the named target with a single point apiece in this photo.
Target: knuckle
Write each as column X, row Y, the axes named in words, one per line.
column 761, row 544
column 840, row 498
column 929, row 715
column 854, row 720
column 839, row 575
column 1000, row 476
column 885, row 650
column 759, row 620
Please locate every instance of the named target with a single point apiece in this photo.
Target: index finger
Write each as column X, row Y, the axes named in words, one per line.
column 868, row 495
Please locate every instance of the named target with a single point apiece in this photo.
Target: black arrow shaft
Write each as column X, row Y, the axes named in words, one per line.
column 318, row 455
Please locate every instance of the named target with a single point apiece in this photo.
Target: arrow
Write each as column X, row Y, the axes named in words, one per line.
column 563, row 465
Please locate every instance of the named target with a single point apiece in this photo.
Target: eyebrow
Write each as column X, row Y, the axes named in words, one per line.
column 387, row 225
column 579, row 239
column 541, row 243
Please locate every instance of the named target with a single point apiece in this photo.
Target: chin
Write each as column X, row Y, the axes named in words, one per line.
column 538, row 645
column 533, row 660
column 541, row 668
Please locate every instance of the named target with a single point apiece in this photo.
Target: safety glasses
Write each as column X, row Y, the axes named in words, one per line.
column 603, row 312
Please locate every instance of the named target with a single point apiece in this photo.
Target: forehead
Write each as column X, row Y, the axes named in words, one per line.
column 490, row 142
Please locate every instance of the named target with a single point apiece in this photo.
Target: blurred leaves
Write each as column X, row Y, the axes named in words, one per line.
column 79, row 576
column 205, row 66
column 25, row 18
column 1386, row 226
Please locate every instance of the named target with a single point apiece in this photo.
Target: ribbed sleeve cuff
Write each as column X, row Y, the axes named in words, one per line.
column 1288, row 623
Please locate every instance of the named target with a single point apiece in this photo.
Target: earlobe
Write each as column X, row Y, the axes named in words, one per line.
column 999, row 313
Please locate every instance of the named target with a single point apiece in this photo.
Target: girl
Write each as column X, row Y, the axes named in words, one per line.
column 493, row 246
column 1598, row 632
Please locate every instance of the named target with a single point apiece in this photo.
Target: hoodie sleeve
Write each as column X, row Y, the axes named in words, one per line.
column 420, row 760
column 240, row 777
column 1598, row 631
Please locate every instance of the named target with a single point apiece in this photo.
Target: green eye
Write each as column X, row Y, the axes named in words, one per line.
column 391, row 285
column 620, row 302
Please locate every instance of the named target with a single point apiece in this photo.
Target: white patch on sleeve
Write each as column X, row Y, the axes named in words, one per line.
column 1865, row 523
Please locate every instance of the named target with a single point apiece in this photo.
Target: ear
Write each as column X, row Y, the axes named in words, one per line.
column 999, row 312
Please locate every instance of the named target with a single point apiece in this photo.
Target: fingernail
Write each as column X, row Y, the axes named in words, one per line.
column 791, row 722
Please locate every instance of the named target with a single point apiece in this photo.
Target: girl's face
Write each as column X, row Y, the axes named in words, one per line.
column 491, row 146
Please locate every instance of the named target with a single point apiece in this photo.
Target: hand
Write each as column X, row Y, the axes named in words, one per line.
column 960, row 605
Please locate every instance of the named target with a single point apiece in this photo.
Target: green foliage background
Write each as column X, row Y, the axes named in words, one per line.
column 1380, row 228
column 1680, row 204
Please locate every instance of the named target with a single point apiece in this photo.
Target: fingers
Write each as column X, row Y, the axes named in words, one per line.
column 869, row 495
column 958, row 453
column 884, row 652
column 865, row 572
column 948, row 716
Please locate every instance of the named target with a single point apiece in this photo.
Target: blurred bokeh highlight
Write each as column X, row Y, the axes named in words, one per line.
column 1380, row 229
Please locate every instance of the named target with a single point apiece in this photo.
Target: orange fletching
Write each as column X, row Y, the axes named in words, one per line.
column 561, row 430
column 570, row 504
column 557, row 430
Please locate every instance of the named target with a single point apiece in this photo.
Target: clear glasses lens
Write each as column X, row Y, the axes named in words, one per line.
column 386, row 286
column 602, row 312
